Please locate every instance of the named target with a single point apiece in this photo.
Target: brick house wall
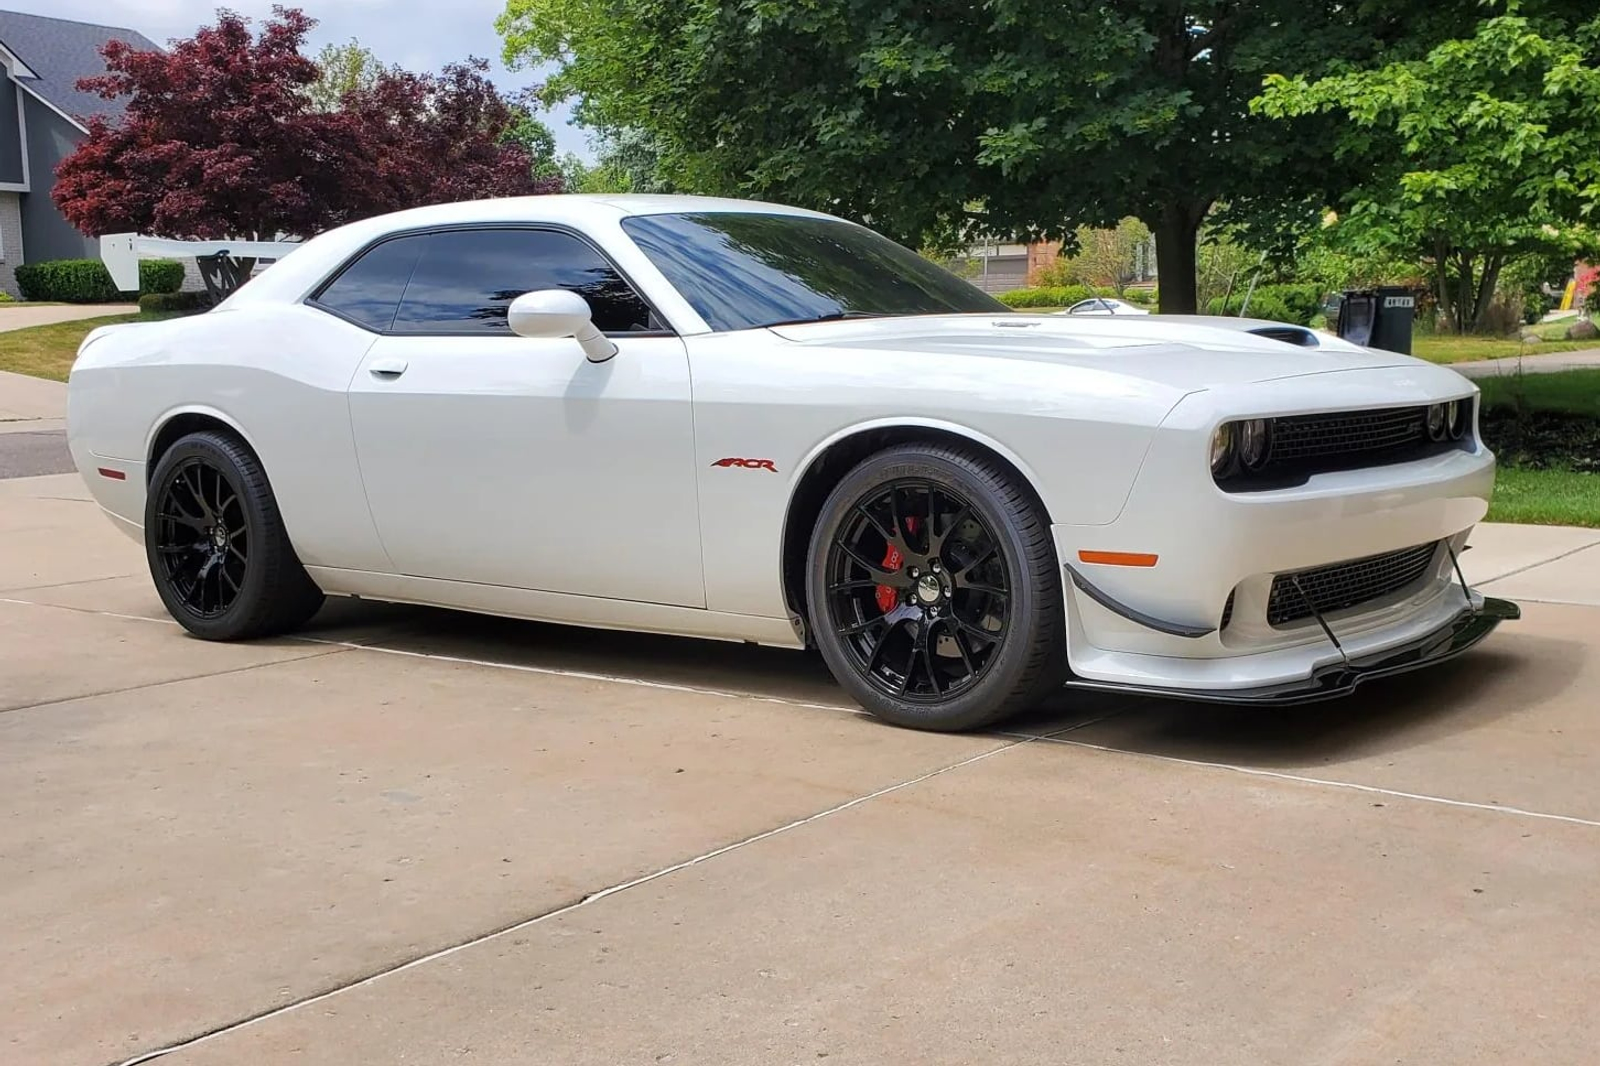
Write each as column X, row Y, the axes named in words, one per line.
column 10, row 241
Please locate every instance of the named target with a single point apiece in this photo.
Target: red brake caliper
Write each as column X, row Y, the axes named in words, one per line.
column 887, row 597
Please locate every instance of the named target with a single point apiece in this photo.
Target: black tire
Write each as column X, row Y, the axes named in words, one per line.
column 210, row 503
column 1010, row 596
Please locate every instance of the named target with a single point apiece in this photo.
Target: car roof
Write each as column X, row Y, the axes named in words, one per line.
column 581, row 211
column 574, row 208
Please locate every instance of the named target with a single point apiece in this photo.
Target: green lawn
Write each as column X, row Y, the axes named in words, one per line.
column 48, row 351
column 1448, row 348
column 1546, row 497
column 1572, row 391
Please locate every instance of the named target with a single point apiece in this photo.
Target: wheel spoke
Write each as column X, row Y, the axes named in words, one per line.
column 963, row 626
column 925, row 646
column 883, row 640
column 989, row 553
column 893, row 578
column 889, row 537
column 960, row 641
column 987, row 590
column 860, row 627
column 936, row 542
column 196, row 489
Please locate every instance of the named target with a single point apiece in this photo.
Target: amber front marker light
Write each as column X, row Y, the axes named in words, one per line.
column 1118, row 558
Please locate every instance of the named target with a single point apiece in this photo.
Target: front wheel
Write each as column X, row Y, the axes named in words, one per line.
column 934, row 590
column 216, row 544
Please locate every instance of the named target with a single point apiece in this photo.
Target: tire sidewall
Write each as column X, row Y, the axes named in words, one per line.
column 1023, row 621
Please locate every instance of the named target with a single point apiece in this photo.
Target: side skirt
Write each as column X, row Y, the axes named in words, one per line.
column 558, row 607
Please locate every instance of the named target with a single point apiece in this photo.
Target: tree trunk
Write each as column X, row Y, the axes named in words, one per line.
column 1486, row 287
column 1466, row 313
column 1177, row 226
column 1441, row 276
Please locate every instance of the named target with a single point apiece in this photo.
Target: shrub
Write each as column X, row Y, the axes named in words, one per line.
column 160, row 275
column 180, row 303
column 1262, row 305
column 1061, row 296
column 1142, row 297
column 87, row 281
column 6, row 297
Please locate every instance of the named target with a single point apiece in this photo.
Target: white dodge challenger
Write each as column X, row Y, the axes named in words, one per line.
column 741, row 421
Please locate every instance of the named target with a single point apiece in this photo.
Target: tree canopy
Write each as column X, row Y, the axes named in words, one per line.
column 220, row 137
column 1485, row 149
column 1016, row 117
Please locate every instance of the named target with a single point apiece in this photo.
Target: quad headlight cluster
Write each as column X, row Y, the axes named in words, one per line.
column 1448, row 421
column 1248, row 442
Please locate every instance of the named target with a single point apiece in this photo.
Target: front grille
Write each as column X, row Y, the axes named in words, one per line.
column 1298, row 438
column 1302, row 445
column 1344, row 585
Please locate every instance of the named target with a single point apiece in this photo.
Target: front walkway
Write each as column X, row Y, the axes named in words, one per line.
column 21, row 316
column 1536, row 363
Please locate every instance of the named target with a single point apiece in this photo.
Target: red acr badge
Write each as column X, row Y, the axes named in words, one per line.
column 748, row 464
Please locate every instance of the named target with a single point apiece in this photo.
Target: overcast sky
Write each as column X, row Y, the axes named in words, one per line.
column 417, row 34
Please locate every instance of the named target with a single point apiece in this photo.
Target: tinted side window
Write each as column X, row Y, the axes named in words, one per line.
column 369, row 290
column 466, row 279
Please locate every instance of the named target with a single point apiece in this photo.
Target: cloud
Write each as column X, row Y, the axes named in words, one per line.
column 417, row 34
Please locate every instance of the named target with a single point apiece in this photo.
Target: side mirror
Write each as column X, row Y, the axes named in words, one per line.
column 559, row 313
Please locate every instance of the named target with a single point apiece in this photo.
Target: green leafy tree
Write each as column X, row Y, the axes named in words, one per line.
column 343, row 69
column 1484, row 150
column 1110, row 257
column 627, row 160
column 900, row 113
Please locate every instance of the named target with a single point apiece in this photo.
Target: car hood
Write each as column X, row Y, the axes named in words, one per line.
column 1188, row 352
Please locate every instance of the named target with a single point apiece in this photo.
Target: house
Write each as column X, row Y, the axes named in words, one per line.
column 998, row 266
column 43, row 118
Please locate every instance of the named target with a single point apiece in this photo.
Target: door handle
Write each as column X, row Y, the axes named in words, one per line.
column 387, row 368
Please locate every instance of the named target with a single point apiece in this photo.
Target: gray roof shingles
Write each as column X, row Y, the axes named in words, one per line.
column 61, row 52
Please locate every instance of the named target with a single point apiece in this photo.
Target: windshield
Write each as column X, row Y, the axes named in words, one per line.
column 743, row 271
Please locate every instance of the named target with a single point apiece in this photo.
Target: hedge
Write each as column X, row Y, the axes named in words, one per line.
column 180, row 303
column 1262, row 305
column 87, row 281
column 1297, row 304
column 1061, row 296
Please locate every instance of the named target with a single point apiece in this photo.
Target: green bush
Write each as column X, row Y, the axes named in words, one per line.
column 1061, row 296
column 6, row 297
column 160, row 275
column 1297, row 304
column 170, row 303
column 87, row 281
column 1142, row 297
column 1262, row 305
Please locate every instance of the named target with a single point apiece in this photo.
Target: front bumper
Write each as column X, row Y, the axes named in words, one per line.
column 1335, row 680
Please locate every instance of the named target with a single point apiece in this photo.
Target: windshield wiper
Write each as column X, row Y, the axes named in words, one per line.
column 831, row 316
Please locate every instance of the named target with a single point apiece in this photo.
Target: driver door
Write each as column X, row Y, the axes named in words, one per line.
column 503, row 460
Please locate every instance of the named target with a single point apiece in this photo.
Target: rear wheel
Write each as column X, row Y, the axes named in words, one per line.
column 934, row 591
column 218, row 552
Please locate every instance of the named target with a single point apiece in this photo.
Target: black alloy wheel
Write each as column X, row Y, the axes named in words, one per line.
column 917, row 591
column 934, row 592
column 201, row 538
column 218, row 551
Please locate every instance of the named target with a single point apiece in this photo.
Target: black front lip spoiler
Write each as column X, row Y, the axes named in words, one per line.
column 1340, row 679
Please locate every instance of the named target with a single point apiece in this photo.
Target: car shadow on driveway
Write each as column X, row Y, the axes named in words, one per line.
column 1517, row 675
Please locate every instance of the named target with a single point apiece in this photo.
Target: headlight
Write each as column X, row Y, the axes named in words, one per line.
column 1222, row 449
column 1437, row 422
column 1457, row 419
column 1255, row 439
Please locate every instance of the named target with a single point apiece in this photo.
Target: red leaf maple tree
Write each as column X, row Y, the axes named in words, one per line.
column 219, row 139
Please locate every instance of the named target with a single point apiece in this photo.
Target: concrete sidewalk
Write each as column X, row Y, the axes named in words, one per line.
column 24, row 316
column 1534, row 362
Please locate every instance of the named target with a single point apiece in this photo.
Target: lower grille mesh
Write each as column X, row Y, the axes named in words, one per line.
column 1344, row 585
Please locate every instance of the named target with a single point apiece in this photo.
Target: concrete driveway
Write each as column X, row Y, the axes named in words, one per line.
column 417, row 837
